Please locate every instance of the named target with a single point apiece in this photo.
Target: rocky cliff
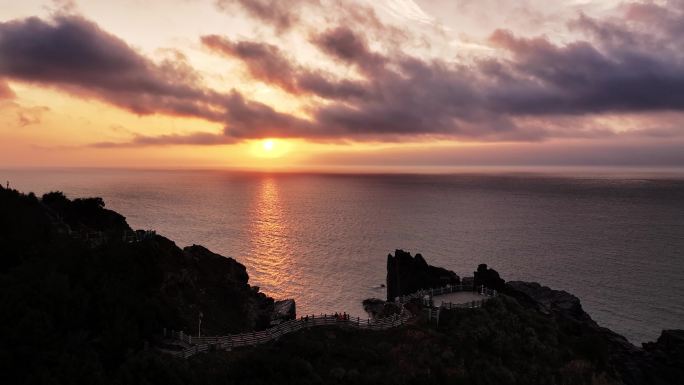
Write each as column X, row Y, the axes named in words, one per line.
column 660, row 362
column 68, row 299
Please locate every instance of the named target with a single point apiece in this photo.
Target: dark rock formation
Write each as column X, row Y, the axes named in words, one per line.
column 377, row 308
column 284, row 310
column 547, row 300
column 175, row 284
column 406, row 275
column 218, row 287
column 660, row 362
column 488, row 277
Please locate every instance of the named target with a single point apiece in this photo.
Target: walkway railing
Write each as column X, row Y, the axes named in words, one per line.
column 445, row 290
column 228, row 342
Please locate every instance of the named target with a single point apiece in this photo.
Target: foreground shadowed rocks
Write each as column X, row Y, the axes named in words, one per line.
column 78, row 299
column 83, row 300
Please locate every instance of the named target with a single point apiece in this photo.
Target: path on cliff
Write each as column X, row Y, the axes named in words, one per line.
column 472, row 299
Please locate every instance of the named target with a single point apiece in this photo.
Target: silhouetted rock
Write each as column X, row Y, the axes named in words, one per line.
column 284, row 310
column 218, row 287
column 547, row 300
column 658, row 363
column 151, row 270
column 488, row 277
column 406, row 275
column 377, row 308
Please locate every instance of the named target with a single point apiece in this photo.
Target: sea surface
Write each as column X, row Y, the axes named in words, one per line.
column 614, row 240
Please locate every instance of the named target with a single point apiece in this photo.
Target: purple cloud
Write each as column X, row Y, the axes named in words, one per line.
column 74, row 54
column 523, row 97
column 267, row 63
column 280, row 14
column 196, row 138
column 536, row 89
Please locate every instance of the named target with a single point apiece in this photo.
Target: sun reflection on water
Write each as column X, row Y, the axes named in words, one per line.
column 268, row 234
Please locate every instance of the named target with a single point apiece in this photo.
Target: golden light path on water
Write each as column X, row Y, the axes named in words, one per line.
column 269, row 232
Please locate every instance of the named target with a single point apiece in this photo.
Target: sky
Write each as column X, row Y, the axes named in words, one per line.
column 343, row 84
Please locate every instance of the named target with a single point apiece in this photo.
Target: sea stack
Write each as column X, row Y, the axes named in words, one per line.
column 488, row 277
column 407, row 274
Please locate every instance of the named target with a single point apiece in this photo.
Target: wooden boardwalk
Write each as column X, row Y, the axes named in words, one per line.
column 229, row 342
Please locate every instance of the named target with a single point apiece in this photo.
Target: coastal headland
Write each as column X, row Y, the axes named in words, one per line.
column 87, row 299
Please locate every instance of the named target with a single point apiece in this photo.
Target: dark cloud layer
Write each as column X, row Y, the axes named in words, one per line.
column 535, row 89
column 267, row 63
column 618, row 68
column 582, row 78
column 76, row 55
column 344, row 44
column 196, row 138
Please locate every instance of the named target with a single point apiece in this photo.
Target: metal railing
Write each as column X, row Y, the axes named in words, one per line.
column 231, row 341
column 445, row 290
column 228, row 342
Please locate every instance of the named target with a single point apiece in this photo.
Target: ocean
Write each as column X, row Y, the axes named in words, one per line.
column 614, row 240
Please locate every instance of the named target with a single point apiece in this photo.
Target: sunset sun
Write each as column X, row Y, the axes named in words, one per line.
column 270, row 148
column 268, row 145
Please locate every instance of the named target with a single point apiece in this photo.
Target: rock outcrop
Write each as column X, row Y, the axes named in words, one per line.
column 548, row 301
column 407, row 274
column 488, row 277
column 284, row 310
column 218, row 287
column 660, row 362
column 377, row 308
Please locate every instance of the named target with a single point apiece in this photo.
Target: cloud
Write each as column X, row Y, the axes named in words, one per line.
column 344, row 44
column 5, row 91
column 496, row 99
column 267, row 63
column 264, row 61
column 249, row 119
column 196, row 138
column 30, row 115
column 406, row 9
column 281, row 14
column 75, row 55
column 535, row 88
column 582, row 78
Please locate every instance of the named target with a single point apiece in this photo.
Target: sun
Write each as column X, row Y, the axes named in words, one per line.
column 268, row 145
column 270, row 148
